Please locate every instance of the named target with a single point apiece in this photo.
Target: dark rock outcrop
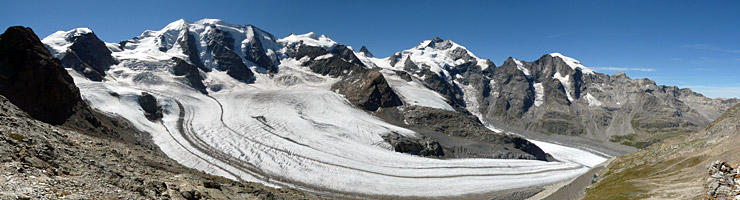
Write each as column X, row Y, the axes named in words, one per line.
column 190, row 49
column 368, row 90
column 89, row 56
column 346, row 54
column 221, row 45
column 365, row 88
column 333, row 66
column 449, row 90
column 152, row 109
column 515, row 95
column 366, row 52
column 467, row 126
column 255, row 52
column 414, row 146
column 33, row 80
column 395, row 58
column 191, row 73
column 410, row 66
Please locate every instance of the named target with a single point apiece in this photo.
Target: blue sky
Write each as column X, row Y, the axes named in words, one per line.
column 692, row 44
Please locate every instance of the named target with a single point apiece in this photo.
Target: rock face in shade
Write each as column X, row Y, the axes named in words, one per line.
column 190, row 73
column 190, row 49
column 33, row 80
column 255, row 52
column 366, row 52
column 89, row 56
column 220, row 44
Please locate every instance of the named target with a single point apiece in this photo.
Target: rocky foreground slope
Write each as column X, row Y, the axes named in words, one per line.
column 86, row 155
column 675, row 168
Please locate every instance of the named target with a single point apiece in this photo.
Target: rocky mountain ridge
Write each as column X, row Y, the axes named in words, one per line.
column 635, row 112
column 556, row 95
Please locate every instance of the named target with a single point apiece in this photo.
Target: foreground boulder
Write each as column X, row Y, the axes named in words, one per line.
column 723, row 182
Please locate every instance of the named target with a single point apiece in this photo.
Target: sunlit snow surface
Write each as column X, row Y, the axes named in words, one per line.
column 290, row 130
column 573, row 63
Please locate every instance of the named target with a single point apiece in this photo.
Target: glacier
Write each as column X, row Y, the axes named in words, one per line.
column 289, row 129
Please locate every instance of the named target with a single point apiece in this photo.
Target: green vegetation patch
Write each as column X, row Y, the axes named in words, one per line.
column 17, row 137
column 621, row 185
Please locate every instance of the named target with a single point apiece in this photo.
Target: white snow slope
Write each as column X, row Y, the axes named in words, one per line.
column 290, row 130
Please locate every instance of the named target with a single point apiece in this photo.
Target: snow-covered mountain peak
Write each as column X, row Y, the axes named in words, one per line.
column 183, row 39
column 177, row 25
column 366, row 52
column 310, row 39
column 80, row 31
column 437, row 43
column 573, row 63
column 439, row 55
column 208, row 21
column 58, row 42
